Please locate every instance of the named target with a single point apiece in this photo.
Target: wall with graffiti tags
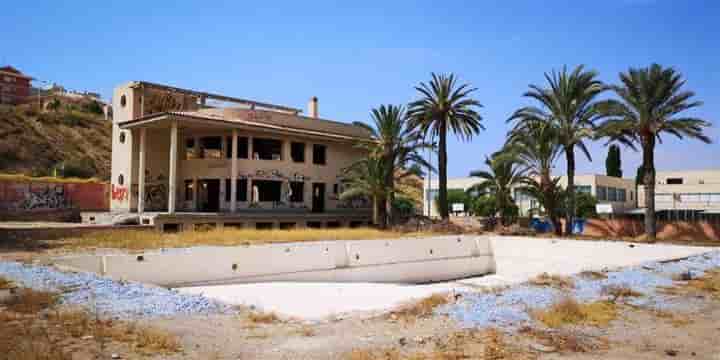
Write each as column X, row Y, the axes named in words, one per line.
column 39, row 196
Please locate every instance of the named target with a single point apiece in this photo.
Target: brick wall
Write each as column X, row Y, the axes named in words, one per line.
column 28, row 196
column 671, row 230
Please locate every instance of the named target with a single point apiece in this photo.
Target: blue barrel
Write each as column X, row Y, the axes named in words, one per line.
column 578, row 226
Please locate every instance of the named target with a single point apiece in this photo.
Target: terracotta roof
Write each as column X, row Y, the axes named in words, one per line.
column 9, row 70
column 272, row 120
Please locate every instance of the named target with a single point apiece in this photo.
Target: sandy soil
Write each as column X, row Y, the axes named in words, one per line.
column 637, row 334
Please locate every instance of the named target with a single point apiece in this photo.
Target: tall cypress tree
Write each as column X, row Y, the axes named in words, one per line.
column 613, row 163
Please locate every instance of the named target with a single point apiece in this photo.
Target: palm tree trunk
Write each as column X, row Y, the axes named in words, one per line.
column 442, row 176
column 379, row 217
column 389, row 209
column 376, row 212
column 390, row 188
column 570, row 215
column 649, row 180
column 381, row 213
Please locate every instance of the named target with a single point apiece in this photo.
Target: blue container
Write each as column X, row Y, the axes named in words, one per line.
column 578, row 226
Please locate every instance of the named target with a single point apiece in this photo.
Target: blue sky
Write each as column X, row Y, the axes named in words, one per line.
column 357, row 55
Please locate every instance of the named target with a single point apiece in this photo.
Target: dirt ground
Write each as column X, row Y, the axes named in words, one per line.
column 637, row 334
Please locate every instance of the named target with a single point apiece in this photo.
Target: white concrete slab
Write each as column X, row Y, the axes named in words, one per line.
column 517, row 258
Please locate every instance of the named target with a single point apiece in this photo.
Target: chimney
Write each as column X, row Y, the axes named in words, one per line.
column 313, row 107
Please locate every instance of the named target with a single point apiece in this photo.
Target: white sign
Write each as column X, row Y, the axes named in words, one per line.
column 458, row 207
column 604, row 208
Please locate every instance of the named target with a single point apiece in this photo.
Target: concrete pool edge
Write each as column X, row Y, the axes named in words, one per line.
column 416, row 260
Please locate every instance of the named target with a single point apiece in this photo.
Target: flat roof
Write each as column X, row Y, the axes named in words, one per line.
column 268, row 120
column 206, row 95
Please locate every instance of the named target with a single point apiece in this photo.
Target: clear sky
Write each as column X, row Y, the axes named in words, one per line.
column 355, row 55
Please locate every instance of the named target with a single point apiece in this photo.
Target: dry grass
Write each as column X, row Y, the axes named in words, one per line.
column 565, row 340
column 707, row 284
column 420, row 308
column 487, row 344
column 373, row 354
column 32, row 327
column 677, row 320
column 153, row 341
column 569, row 311
column 556, row 281
column 28, row 301
column 616, row 292
column 594, row 275
column 263, row 317
column 138, row 240
column 306, row 331
column 6, row 284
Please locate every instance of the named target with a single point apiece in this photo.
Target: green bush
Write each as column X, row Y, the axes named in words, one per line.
column 93, row 107
column 82, row 168
column 403, row 206
column 458, row 196
column 585, row 205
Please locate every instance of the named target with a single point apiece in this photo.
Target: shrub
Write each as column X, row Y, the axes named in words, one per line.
column 403, row 206
column 93, row 107
column 82, row 168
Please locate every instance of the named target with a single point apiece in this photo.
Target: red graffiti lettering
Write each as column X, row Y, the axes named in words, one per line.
column 119, row 193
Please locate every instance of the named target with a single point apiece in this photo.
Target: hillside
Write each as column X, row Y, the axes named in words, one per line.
column 73, row 138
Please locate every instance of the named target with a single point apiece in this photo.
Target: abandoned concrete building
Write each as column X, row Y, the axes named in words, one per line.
column 184, row 160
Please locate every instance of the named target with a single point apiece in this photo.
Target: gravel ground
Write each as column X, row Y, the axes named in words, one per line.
column 108, row 297
column 508, row 309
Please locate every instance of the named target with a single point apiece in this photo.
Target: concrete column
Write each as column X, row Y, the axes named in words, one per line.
column 173, row 167
column 194, row 194
column 250, row 148
column 234, row 169
column 141, row 173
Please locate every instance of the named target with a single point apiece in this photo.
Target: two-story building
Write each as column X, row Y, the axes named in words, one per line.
column 183, row 159
column 614, row 195
column 14, row 86
column 685, row 194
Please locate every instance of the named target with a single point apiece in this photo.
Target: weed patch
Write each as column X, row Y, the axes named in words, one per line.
column 487, row 344
column 565, row 340
column 617, row 292
column 568, row 311
column 420, row 308
column 707, row 284
column 555, row 281
column 6, row 284
column 28, row 301
column 32, row 327
column 263, row 317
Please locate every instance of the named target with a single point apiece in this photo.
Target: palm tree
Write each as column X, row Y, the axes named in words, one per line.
column 398, row 146
column 568, row 103
column 550, row 195
column 651, row 100
column 366, row 179
column 502, row 175
column 537, row 148
column 444, row 105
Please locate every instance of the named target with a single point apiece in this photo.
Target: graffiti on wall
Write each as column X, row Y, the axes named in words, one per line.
column 35, row 195
column 119, row 193
column 156, row 196
column 156, row 193
column 47, row 197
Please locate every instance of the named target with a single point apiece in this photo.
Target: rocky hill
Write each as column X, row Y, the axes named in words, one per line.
column 70, row 140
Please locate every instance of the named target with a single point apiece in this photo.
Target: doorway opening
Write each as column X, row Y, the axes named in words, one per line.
column 318, row 199
column 209, row 195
